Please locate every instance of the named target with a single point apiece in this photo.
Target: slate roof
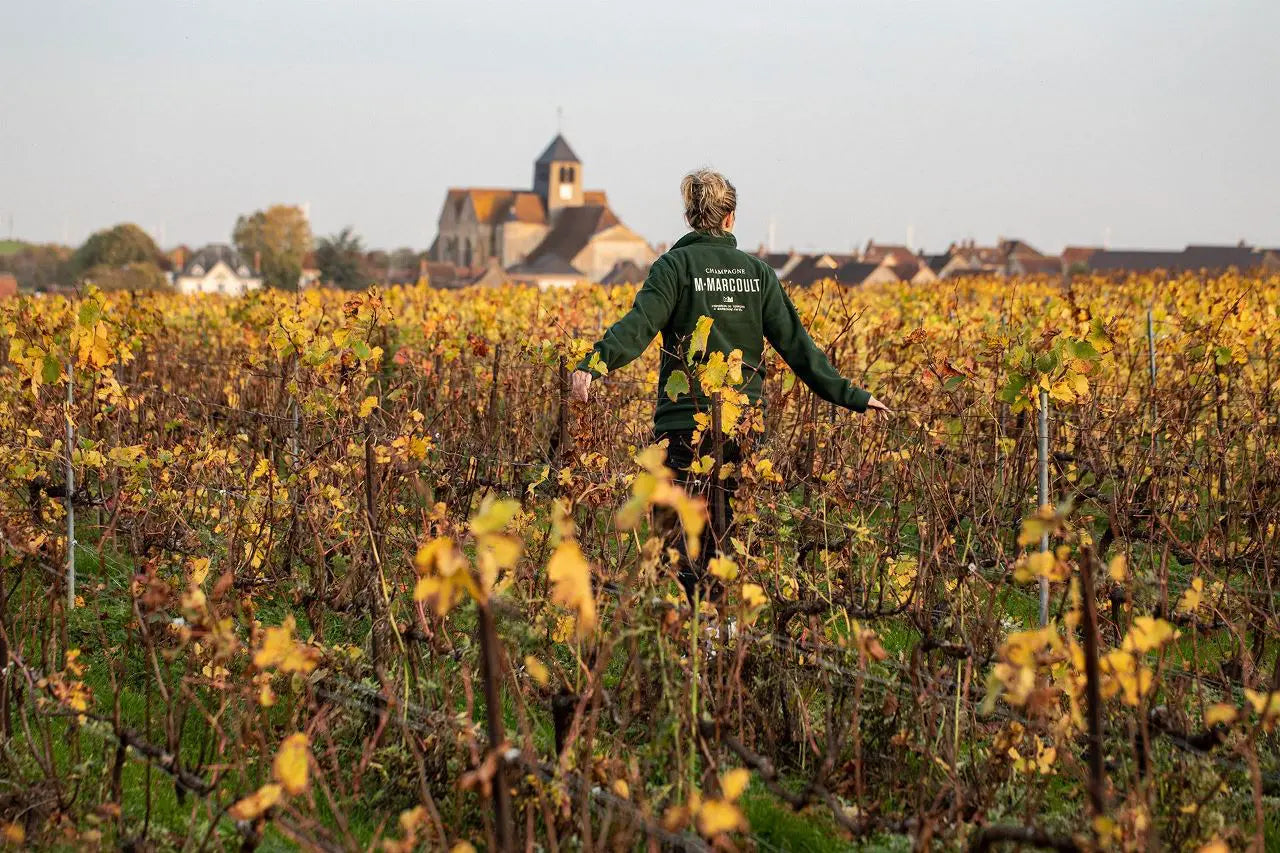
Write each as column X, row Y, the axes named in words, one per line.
column 625, row 272
column 1018, row 248
column 807, row 271
column 814, row 268
column 557, row 152
column 1220, row 257
column 547, row 263
column 775, row 260
column 877, row 252
column 906, row 270
column 1078, row 254
column 937, row 262
column 210, row 255
column 853, row 272
column 1106, row 260
column 572, row 229
column 1040, row 266
column 1190, row 259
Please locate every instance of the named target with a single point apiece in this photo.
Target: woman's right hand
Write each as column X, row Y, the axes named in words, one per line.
column 579, row 384
column 874, row 405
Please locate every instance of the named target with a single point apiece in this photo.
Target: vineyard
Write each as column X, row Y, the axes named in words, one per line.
column 343, row 571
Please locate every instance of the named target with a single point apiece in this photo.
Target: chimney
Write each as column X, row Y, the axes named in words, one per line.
column 422, row 269
column 257, row 262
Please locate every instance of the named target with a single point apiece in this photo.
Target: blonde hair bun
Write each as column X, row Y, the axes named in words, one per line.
column 708, row 199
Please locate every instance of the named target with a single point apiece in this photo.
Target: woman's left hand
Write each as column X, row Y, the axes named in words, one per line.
column 579, row 384
column 874, row 405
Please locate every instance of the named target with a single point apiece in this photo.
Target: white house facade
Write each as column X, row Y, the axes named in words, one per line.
column 217, row 268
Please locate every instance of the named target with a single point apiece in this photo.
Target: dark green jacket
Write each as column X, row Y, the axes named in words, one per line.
column 706, row 275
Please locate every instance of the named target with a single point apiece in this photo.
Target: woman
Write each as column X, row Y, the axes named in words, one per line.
column 705, row 274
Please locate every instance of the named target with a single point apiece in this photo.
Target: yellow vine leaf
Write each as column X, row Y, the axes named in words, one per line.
column 494, row 516
column 290, row 765
column 711, row 375
column 1191, row 598
column 701, row 332
column 723, row 568
column 753, row 596
column 734, row 368
column 537, row 670
column 253, row 806
column 570, row 576
column 280, row 650
column 717, row 817
column 1220, row 714
column 444, row 578
column 13, row 833
column 1148, row 634
column 734, row 782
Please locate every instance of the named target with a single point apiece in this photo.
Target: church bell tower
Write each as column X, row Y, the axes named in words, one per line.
column 557, row 176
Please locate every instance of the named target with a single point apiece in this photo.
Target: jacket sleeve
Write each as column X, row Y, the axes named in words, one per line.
column 626, row 339
column 784, row 329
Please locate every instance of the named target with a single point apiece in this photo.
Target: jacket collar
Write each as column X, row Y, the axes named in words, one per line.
column 702, row 237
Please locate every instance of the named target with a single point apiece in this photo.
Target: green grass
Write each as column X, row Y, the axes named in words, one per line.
column 11, row 247
column 775, row 826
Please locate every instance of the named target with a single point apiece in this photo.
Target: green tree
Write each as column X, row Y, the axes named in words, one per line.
column 37, row 267
column 403, row 264
column 339, row 259
column 138, row 275
column 281, row 237
column 114, row 247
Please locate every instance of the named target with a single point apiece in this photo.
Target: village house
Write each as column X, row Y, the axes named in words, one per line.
column 1195, row 258
column 906, row 264
column 877, row 263
column 217, row 268
column 555, row 233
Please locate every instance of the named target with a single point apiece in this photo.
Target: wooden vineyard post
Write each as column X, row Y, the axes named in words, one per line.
column 493, row 392
column 1044, row 497
column 718, row 515
column 490, row 667
column 1092, row 688
column 71, row 488
column 1151, row 354
column 560, row 442
column 811, row 448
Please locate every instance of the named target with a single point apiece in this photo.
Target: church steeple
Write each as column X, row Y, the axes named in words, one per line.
column 557, row 176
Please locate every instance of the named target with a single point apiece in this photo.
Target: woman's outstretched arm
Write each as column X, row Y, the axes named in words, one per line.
column 784, row 329
column 626, row 339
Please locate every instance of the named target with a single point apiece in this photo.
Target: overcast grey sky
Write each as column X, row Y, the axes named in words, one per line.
column 1054, row 121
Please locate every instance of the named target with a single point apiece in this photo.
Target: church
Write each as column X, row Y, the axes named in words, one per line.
column 556, row 233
